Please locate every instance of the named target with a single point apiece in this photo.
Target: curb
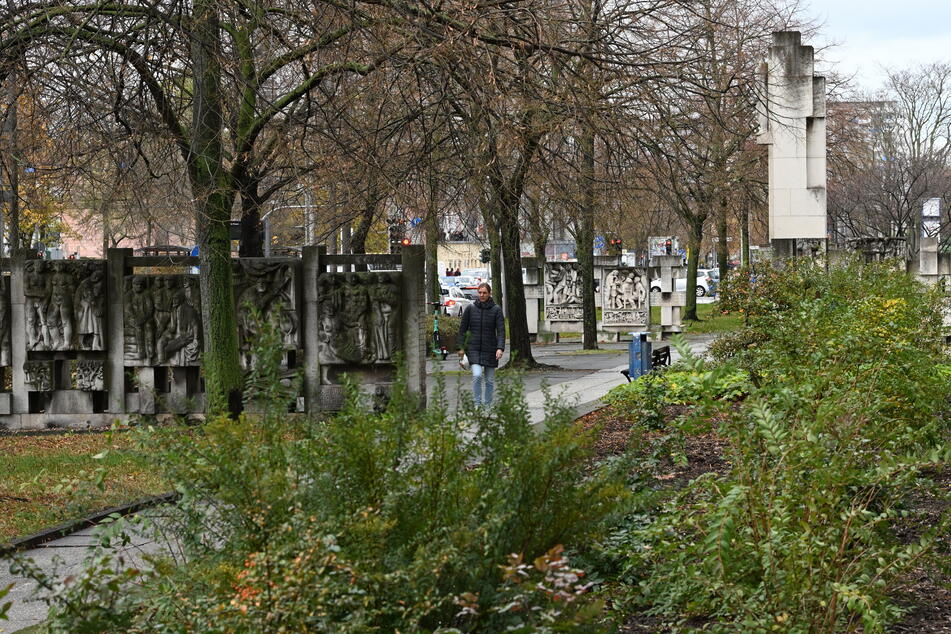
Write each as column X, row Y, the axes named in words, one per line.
column 59, row 431
column 67, row 528
column 583, row 409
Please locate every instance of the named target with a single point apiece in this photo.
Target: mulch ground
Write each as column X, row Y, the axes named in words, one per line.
column 926, row 592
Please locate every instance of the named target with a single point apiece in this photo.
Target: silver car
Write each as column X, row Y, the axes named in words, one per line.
column 454, row 301
column 702, row 288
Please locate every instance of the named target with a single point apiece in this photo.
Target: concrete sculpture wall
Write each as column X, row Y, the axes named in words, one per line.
column 86, row 342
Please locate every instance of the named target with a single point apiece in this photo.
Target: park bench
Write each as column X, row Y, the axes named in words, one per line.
column 659, row 356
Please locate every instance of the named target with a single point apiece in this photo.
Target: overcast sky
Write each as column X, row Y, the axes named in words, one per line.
column 873, row 33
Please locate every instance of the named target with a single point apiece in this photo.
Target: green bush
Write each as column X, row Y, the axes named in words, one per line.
column 449, row 326
column 644, row 399
column 413, row 520
column 845, row 418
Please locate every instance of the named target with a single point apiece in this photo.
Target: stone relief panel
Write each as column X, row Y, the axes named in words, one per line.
column 39, row 376
column 625, row 300
column 5, row 321
column 162, row 320
column 359, row 317
column 64, row 304
column 563, row 313
column 89, row 376
column 563, row 291
column 266, row 288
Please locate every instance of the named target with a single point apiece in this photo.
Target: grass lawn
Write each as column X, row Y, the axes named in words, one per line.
column 47, row 480
column 712, row 320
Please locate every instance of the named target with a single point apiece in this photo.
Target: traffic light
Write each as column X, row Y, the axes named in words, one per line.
column 668, row 246
column 615, row 244
column 397, row 234
column 485, row 255
column 406, row 242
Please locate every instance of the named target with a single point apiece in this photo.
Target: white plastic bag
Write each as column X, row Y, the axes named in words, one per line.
column 464, row 363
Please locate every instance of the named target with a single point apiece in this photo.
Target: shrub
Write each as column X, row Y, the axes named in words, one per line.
column 409, row 520
column 644, row 399
column 845, row 418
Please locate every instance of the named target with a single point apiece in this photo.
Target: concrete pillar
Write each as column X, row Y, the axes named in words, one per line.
column 146, row 379
column 670, row 301
column 311, row 268
column 114, row 330
column 414, row 317
column 176, row 401
column 792, row 124
column 928, row 259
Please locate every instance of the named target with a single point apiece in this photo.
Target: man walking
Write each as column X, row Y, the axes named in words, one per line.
column 482, row 340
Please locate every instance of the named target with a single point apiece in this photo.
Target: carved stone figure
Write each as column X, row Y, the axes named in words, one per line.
column 59, row 312
column 268, row 290
column 624, row 299
column 139, row 318
column 384, row 298
column 89, row 302
column 63, row 305
column 624, row 289
column 354, row 318
column 162, row 320
column 4, row 321
column 562, row 287
column 328, row 321
column 358, row 317
column 180, row 342
column 89, row 376
column 39, row 375
column 36, row 295
column 162, row 298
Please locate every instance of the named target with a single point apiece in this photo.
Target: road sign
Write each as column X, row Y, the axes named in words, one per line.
column 416, row 221
column 599, row 242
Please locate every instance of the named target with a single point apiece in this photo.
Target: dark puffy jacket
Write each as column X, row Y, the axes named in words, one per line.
column 483, row 324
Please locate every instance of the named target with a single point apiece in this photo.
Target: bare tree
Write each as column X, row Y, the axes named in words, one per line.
column 889, row 153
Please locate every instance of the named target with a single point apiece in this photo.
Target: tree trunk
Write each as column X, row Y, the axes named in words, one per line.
column 432, row 248
column 358, row 239
column 694, row 238
column 11, row 162
column 495, row 255
column 520, row 346
column 584, row 242
column 723, row 247
column 252, row 229
column 540, row 244
column 744, row 234
column 508, row 193
column 213, row 197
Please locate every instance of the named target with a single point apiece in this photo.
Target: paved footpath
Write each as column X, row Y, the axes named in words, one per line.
column 581, row 378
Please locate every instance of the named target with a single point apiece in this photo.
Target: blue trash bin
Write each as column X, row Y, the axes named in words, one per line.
column 638, row 356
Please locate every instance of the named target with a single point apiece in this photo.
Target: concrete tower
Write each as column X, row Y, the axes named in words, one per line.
column 793, row 125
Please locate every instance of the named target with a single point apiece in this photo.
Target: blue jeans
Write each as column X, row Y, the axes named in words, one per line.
column 483, row 380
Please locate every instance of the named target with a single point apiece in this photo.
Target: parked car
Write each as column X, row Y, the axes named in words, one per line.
column 482, row 275
column 469, row 286
column 702, row 288
column 454, row 300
